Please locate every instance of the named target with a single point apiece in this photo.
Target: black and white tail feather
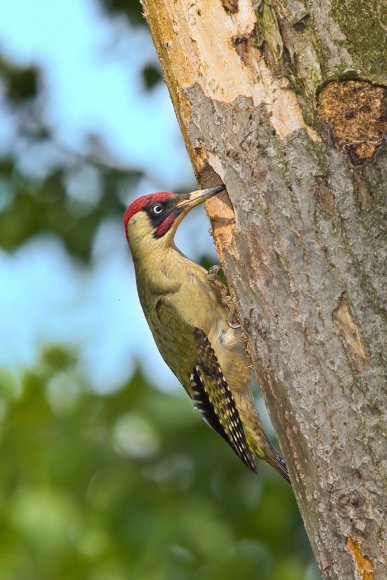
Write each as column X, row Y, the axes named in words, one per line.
column 213, row 398
column 215, row 402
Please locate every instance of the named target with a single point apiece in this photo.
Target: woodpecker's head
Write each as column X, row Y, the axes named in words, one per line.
column 152, row 220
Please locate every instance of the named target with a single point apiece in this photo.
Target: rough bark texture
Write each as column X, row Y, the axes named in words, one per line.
column 285, row 102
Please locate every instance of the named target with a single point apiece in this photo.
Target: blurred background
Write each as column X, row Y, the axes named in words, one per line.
column 106, row 473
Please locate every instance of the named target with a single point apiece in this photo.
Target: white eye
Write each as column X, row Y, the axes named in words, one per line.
column 157, row 209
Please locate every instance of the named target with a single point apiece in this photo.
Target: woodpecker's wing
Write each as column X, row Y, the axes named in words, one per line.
column 214, row 399
column 174, row 339
column 190, row 356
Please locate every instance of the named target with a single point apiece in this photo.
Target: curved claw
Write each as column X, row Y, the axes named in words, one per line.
column 232, row 318
column 213, row 271
column 232, row 323
column 224, row 295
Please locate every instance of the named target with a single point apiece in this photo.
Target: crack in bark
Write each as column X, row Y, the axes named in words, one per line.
column 364, row 566
column 230, row 6
column 324, row 196
column 351, row 335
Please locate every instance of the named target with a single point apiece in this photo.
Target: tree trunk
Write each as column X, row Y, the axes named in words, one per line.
column 283, row 102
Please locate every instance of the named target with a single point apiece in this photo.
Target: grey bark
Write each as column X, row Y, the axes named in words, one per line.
column 303, row 246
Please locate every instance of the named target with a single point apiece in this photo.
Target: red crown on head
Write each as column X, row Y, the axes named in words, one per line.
column 141, row 202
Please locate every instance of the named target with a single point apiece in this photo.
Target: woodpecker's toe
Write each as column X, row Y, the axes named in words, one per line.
column 213, row 271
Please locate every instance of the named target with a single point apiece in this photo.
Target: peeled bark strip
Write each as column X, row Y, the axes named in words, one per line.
column 286, row 103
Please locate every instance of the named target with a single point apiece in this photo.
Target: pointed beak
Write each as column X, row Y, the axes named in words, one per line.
column 199, row 196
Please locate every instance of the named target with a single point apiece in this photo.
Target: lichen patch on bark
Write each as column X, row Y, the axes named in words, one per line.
column 364, row 25
column 350, row 333
column 364, row 566
column 357, row 113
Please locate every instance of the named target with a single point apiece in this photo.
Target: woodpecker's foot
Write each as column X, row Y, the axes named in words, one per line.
column 232, row 318
column 216, row 283
column 213, row 273
column 223, row 295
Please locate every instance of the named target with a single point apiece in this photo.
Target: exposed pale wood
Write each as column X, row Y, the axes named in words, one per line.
column 301, row 236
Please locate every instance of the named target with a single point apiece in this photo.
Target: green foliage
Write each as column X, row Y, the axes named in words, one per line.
column 130, row 8
column 364, row 27
column 21, row 84
column 44, row 206
column 31, row 205
column 151, row 76
column 131, row 485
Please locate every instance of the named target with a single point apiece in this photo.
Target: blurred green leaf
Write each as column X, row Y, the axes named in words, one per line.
column 131, row 8
column 45, row 208
column 133, row 484
column 21, row 83
column 151, row 76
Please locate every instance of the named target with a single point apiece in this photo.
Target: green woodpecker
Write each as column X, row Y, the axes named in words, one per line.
column 188, row 311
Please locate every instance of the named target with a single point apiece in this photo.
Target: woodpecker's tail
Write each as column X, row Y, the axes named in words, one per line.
column 275, row 460
column 262, row 448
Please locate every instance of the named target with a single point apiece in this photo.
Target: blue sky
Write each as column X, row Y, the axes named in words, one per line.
column 92, row 84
